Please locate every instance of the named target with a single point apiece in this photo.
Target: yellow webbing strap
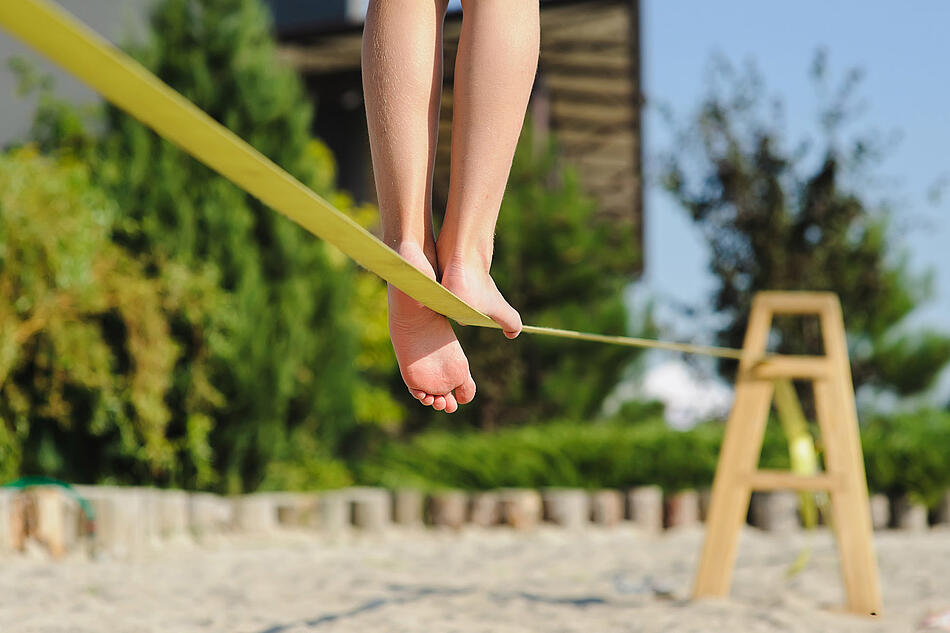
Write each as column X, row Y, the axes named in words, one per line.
column 802, row 456
column 50, row 30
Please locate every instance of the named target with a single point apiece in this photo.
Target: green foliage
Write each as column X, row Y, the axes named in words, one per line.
column 304, row 465
column 904, row 454
column 304, row 348
column 908, row 453
column 777, row 219
column 292, row 370
column 908, row 362
column 87, row 352
column 562, row 265
column 605, row 454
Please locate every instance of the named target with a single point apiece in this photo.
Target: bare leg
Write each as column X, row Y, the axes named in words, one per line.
column 494, row 71
column 402, row 83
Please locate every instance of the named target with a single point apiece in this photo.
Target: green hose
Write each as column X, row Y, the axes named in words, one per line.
column 30, row 482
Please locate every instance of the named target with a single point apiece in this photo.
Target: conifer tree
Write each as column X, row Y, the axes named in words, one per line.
column 291, row 367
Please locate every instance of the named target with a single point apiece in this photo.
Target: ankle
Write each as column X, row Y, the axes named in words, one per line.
column 458, row 257
column 411, row 250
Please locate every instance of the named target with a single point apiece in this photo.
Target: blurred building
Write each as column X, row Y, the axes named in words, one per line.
column 587, row 92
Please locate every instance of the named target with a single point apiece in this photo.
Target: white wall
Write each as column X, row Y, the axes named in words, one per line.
column 118, row 20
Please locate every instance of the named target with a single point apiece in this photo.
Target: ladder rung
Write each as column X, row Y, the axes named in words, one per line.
column 786, row 366
column 796, row 302
column 786, row 480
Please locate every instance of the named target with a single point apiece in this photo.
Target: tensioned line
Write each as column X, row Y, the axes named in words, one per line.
column 50, row 30
column 631, row 341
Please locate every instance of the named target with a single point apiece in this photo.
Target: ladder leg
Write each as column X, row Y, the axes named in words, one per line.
column 850, row 511
column 741, row 446
column 729, row 502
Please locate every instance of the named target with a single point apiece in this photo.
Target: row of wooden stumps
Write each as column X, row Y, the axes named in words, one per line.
column 844, row 479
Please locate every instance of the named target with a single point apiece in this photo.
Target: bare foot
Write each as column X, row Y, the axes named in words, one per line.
column 430, row 358
column 473, row 284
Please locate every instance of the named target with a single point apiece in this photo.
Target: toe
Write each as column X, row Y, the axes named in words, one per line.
column 418, row 394
column 428, row 400
column 439, row 403
column 508, row 318
column 451, row 406
column 465, row 392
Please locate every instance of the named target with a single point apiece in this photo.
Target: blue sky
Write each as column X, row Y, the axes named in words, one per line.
column 903, row 50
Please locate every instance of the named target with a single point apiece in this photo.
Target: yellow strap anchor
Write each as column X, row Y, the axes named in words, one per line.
column 803, row 457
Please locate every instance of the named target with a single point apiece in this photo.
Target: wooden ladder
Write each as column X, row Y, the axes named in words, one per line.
column 737, row 473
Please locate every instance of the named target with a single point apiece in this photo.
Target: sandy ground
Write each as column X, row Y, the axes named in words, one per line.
column 477, row 580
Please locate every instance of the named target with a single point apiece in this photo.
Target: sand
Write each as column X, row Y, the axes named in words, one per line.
column 497, row 580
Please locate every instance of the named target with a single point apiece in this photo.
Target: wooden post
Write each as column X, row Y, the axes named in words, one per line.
column 737, row 473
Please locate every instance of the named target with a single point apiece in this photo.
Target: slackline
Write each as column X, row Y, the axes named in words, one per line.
column 56, row 34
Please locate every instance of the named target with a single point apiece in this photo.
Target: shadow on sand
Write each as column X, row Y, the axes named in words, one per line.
column 408, row 593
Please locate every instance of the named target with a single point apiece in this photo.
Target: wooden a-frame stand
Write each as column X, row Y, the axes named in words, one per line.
column 737, row 473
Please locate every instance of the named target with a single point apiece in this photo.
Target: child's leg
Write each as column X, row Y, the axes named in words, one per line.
column 494, row 72
column 402, row 83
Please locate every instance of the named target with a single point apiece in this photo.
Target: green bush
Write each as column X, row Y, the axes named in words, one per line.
column 87, row 346
column 909, row 453
column 600, row 454
column 904, row 454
